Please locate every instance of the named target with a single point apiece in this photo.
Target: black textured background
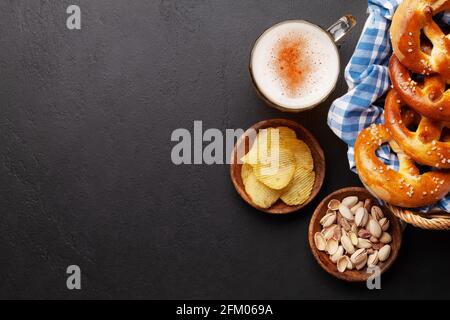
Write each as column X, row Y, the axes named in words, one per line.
column 85, row 171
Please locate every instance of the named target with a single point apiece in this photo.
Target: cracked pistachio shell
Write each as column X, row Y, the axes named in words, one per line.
column 332, row 246
column 328, row 232
column 319, row 241
column 328, row 219
column 334, row 204
column 343, row 263
column 339, row 253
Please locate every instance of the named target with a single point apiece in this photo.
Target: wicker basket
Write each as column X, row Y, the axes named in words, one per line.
column 434, row 220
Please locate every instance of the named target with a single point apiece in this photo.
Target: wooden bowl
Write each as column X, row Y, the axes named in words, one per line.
column 317, row 153
column 323, row 258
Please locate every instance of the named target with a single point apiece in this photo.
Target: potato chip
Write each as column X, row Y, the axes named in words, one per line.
column 277, row 169
column 288, row 139
column 302, row 153
column 285, row 133
column 300, row 188
column 264, row 141
column 278, row 164
column 260, row 194
column 246, row 170
column 283, row 136
column 259, row 148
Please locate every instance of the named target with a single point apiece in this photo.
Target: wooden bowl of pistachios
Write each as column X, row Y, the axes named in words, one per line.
column 352, row 237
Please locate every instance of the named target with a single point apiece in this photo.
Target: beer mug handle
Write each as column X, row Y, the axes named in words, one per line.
column 341, row 27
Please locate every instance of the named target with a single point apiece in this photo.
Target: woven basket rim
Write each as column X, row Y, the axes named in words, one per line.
column 438, row 219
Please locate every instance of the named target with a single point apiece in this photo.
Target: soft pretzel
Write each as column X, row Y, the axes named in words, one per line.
column 406, row 188
column 410, row 19
column 430, row 98
column 423, row 145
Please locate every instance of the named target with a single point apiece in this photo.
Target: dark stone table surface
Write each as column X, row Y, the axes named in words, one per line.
column 86, row 176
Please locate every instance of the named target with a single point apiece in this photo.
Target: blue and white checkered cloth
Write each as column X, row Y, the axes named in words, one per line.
column 368, row 80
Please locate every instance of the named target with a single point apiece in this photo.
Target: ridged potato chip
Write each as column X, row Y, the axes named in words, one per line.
column 246, row 171
column 277, row 169
column 264, row 141
column 300, row 188
column 260, row 194
column 259, row 147
column 285, row 133
column 278, row 165
column 302, row 153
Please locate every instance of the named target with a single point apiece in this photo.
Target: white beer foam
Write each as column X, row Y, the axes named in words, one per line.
column 318, row 49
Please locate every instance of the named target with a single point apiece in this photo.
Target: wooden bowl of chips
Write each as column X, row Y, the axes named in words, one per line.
column 308, row 174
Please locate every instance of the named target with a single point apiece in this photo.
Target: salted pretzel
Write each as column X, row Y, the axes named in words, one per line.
column 429, row 98
column 405, row 188
column 410, row 19
column 423, row 144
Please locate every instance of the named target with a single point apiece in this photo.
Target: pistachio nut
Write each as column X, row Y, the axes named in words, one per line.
column 384, row 253
column 345, row 212
column 363, row 263
column 372, row 260
column 358, row 256
column 360, row 204
column 363, row 233
column 364, row 243
column 337, row 234
column 350, row 201
column 385, row 238
column 361, row 217
column 368, row 204
column 376, row 213
column 374, row 228
column 343, row 222
column 374, row 239
column 384, row 224
column 377, row 246
column 328, row 219
column 353, row 237
column 347, row 244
